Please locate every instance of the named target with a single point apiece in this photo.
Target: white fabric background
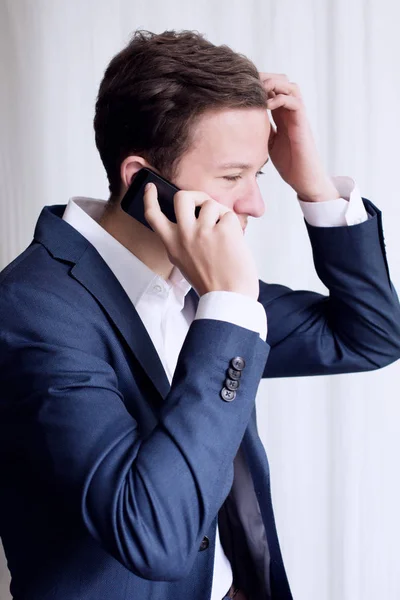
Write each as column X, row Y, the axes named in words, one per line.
column 333, row 442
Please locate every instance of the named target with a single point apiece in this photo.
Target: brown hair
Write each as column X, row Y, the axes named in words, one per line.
column 153, row 91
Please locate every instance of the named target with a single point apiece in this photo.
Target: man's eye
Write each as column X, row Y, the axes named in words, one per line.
column 236, row 177
column 232, row 177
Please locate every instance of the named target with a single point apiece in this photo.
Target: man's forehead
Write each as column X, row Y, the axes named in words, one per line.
column 234, row 121
column 233, row 139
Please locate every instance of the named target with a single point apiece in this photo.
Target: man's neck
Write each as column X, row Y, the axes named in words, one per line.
column 138, row 239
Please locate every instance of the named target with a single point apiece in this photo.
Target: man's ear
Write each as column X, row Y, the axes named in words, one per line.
column 129, row 167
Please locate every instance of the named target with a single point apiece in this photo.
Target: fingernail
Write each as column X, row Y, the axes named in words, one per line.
column 148, row 187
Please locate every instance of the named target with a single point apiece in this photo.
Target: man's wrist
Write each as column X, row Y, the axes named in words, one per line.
column 323, row 195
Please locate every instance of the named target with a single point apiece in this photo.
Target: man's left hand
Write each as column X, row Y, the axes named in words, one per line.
column 291, row 145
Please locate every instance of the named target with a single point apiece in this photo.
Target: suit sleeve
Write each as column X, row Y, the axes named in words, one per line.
column 148, row 500
column 356, row 327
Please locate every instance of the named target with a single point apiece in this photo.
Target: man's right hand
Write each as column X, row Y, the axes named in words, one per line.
column 210, row 251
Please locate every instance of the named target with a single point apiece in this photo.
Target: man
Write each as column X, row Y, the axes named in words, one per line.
column 130, row 358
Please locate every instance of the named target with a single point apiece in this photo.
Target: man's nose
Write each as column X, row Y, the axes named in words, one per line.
column 251, row 203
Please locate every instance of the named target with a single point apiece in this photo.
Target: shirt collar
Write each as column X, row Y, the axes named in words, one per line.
column 136, row 278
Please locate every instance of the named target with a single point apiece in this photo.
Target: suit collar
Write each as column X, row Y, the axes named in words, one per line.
column 91, row 271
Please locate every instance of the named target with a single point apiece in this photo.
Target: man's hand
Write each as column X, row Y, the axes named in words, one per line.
column 291, row 145
column 210, row 251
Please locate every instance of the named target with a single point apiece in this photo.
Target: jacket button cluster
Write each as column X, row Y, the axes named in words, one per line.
column 232, row 383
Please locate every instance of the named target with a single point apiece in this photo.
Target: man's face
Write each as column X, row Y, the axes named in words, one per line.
column 229, row 148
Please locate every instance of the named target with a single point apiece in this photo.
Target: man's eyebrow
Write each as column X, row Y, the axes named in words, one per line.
column 243, row 166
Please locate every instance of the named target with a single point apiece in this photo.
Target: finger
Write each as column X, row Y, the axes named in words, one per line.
column 283, row 101
column 275, row 87
column 185, row 203
column 210, row 213
column 229, row 220
column 154, row 216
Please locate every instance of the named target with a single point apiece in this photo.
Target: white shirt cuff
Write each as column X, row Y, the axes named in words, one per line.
column 346, row 210
column 234, row 308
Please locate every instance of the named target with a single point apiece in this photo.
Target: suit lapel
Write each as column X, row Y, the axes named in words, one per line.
column 100, row 281
column 89, row 268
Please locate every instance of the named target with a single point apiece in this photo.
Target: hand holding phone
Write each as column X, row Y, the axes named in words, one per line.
column 210, row 251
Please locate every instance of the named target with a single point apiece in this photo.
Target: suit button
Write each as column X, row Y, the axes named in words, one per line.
column 238, row 363
column 205, row 542
column 228, row 395
column 232, row 384
column 234, row 374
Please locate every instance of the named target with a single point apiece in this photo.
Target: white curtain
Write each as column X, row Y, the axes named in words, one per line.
column 333, row 442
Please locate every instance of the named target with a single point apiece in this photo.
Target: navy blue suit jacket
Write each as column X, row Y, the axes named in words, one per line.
column 111, row 478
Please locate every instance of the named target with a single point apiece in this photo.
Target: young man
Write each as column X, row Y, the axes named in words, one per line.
column 130, row 359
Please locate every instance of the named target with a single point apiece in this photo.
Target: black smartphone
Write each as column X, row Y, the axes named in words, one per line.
column 132, row 203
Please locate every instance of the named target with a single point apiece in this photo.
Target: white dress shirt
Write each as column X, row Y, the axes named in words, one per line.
column 167, row 311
